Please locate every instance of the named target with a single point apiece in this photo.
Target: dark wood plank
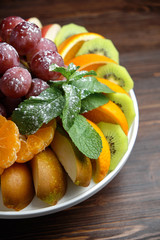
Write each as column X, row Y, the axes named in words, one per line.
column 129, row 206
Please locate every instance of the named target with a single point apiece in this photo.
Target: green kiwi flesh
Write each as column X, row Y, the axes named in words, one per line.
column 100, row 46
column 126, row 105
column 67, row 31
column 117, row 140
column 116, row 74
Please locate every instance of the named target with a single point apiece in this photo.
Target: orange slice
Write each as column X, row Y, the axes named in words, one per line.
column 24, row 154
column 115, row 87
column 71, row 45
column 109, row 112
column 90, row 61
column 36, row 142
column 46, row 132
column 9, row 142
column 101, row 165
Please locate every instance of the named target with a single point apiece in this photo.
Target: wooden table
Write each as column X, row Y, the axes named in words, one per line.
column 129, row 206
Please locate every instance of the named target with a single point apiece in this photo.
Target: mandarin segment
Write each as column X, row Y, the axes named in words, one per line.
column 2, row 120
column 24, row 154
column 46, row 132
column 35, row 144
column 9, row 143
column 101, row 165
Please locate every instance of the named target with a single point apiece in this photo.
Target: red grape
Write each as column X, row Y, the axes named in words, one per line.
column 40, row 64
column 7, row 26
column 25, row 36
column 37, row 86
column 2, row 110
column 8, row 57
column 15, row 82
column 43, row 44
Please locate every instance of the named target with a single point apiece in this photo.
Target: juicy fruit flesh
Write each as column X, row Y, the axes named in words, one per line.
column 117, row 140
column 117, row 74
column 100, row 46
column 9, row 142
column 67, row 31
column 45, row 165
column 74, row 162
column 69, row 48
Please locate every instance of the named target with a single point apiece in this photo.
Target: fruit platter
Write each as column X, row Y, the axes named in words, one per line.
column 68, row 116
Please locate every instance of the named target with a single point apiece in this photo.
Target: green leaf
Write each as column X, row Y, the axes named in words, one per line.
column 79, row 74
column 86, row 139
column 93, row 101
column 33, row 112
column 72, row 105
column 57, row 83
column 66, row 72
column 89, row 85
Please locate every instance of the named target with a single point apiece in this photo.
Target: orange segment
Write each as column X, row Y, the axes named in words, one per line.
column 2, row 120
column 36, row 142
column 46, row 132
column 109, row 112
column 71, row 45
column 101, row 165
column 9, row 142
column 24, row 154
column 90, row 61
column 115, row 87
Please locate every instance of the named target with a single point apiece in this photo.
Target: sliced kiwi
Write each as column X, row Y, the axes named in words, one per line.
column 116, row 74
column 100, row 46
column 117, row 140
column 67, row 31
column 126, row 105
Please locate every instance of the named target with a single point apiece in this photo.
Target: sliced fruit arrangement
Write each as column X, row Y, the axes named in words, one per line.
column 77, row 165
column 117, row 140
column 65, row 109
column 117, row 74
column 100, row 46
column 68, row 30
column 90, row 61
column 69, row 48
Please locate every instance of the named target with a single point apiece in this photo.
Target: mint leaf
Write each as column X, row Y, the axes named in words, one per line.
column 66, row 72
column 79, row 74
column 33, row 112
column 89, row 85
column 93, row 101
column 72, row 105
column 86, row 139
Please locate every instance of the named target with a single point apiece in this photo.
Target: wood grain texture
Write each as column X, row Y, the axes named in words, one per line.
column 128, row 207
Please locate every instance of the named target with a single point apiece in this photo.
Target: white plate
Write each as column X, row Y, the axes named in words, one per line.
column 74, row 194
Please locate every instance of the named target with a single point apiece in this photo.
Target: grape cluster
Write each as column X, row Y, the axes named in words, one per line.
column 25, row 58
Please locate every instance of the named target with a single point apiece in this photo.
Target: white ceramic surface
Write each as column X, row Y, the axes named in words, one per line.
column 74, row 194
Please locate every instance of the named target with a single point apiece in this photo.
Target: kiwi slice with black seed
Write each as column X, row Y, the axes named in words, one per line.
column 67, row 31
column 126, row 105
column 116, row 74
column 100, row 46
column 118, row 142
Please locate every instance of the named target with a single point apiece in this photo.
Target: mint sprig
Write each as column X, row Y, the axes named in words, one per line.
column 79, row 92
column 33, row 112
